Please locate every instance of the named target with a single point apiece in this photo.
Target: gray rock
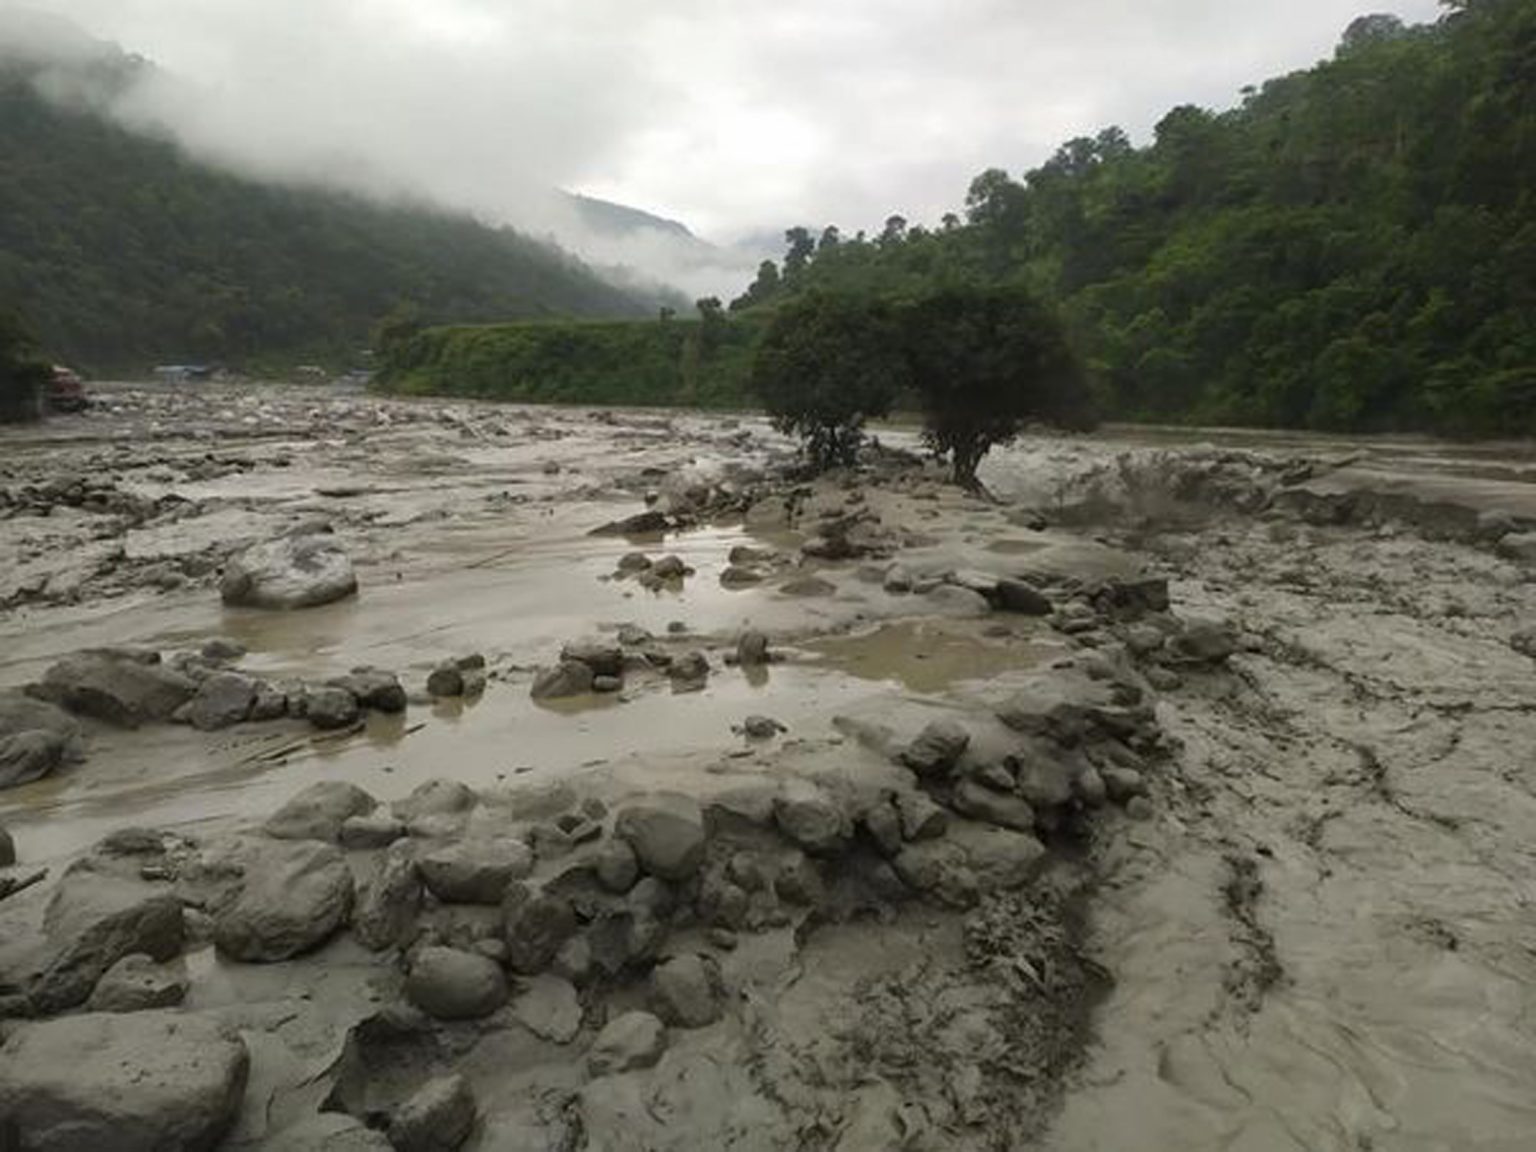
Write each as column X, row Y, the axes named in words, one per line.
column 1026, row 599
column 883, row 824
column 607, row 685
column 437, row 797
column 568, row 678
column 761, row 728
column 222, row 699
column 318, row 812
column 936, row 748
column 812, row 819
column 221, row 650
column 634, row 562
column 921, row 818
column 1120, row 784
column 752, row 649
column 139, row 1082
column 685, row 992
column 448, row 984
column 535, row 925
column 136, row 983
column 957, row 601
column 940, row 869
column 327, row 1132
column 95, row 918
column 1090, row 787
column 376, row 830
column 295, row 895
column 739, row 576
column 446, row 680
column 998, row 857
column 667, row 833
column 475, row 871
column 1524, row 642
column 616, row 867
column 389, row 901
column 120, row 689
column 1059, row 703
column 270, row 704
column 1203, row 642
column 1044, row 782
column 374, row 688
column 438, row 1117
column 799, row 882
column 290, row 572
column 629, row 1042
column 548, row 1007
column 982, row 803
column 689, row 671
column 1519, row 546
column 7, row 849
column 329, row 708
column 670, row 568
column 603, row 658
column 28, row 756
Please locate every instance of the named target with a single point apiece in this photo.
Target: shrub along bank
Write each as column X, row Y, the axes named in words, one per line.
column 703, row 363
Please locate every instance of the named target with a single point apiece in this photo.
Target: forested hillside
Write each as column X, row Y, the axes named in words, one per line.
column 1352, row 247
column 121, row 251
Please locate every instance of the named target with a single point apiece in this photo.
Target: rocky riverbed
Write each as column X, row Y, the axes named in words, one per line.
column 381, row 774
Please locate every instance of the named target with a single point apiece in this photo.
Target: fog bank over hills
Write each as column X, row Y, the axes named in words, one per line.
column 488, row 181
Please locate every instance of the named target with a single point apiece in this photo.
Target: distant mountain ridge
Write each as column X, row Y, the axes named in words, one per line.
column 122, row 250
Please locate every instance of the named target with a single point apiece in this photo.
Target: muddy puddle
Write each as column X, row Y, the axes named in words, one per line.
column 1318, row 934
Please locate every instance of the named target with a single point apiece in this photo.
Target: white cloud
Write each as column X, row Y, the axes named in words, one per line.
column 734, row 118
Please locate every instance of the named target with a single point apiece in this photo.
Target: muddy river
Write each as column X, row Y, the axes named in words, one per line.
column 1316, row 933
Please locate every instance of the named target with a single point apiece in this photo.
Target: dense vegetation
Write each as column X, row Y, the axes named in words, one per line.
column 671, row 361
column 826, row 365
column 22, row 374
column 1353, row 247
column 979, row 362
column 122, row 252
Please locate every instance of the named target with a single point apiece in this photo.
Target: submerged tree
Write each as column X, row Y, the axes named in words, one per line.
column 826, row 365
column 985, row 362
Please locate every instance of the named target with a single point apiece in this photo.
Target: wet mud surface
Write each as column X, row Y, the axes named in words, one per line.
column 1315, row 931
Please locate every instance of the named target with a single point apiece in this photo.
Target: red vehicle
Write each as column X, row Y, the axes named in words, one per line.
column 66, row 391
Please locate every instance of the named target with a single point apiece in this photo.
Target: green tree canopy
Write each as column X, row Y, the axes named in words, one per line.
column 826, row 364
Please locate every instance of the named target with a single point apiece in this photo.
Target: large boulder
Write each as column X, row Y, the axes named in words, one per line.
column 667, row 833
column 94, row 919
column 35, row 738
column 452, row 985
column 290, row 572
column 295, row 895
column 126, row 688
column 140, row 1082
column 475, row 871
column 318, row 812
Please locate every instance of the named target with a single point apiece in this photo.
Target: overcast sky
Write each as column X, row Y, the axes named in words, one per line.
column 732, row 117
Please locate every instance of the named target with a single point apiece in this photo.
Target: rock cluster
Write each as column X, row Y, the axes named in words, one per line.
column 129, row 687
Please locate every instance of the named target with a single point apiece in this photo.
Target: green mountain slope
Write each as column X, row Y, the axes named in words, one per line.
column 1352, row 247
column 122, row 251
